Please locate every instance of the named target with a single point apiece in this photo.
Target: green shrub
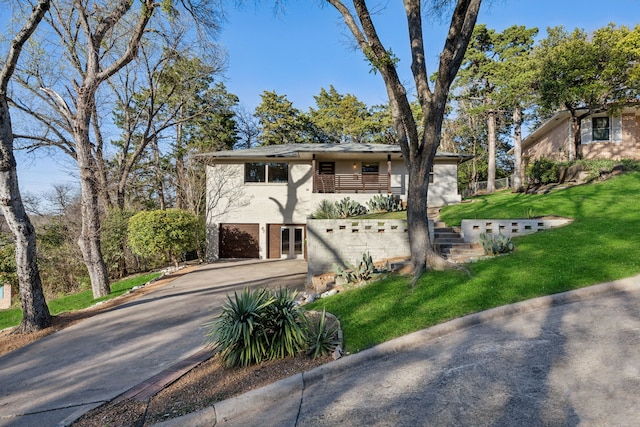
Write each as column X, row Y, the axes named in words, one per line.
column 347, row 208
column 384, row 203
column 168, row 233
column 322, row 339
column 543, row 171
column 496, row 244
column 258, row 325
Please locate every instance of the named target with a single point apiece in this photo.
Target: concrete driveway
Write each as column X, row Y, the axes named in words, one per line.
column 53, row 380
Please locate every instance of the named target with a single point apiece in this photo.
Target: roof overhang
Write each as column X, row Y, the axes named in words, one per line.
column 308, row 151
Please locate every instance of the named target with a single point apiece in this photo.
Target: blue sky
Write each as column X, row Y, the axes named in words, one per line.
column 306, row 48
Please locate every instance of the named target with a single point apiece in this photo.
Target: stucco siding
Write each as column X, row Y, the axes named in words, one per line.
column 444, row 188
column 232, row 201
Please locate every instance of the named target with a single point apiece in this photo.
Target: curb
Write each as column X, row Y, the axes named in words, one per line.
column 293, row 387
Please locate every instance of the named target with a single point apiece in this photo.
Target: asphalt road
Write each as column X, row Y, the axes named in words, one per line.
column 563, row 360
column 53, row 380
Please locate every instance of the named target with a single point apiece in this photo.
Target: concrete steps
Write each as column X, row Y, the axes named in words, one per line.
column 450, row 244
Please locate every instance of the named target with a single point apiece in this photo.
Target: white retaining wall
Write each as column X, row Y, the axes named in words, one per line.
column 472, row 228
column 332, row 241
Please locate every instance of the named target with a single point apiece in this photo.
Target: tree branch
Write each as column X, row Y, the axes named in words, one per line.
column 18, row 42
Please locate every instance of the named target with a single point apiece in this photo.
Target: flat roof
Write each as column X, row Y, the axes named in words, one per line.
column 307, row 150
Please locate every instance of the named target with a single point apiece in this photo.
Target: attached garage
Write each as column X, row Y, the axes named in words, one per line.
column 239, row 241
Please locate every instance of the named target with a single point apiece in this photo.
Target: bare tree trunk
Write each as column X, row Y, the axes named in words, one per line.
column 89, row 239
column 35, row 313
column 158, row 173
column 491, row 161
column 518, row 170
column 181, row 173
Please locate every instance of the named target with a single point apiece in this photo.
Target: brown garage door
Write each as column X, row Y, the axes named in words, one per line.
column 239, row 240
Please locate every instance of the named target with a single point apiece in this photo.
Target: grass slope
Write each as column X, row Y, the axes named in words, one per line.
column 600, row 245
column 78, row 301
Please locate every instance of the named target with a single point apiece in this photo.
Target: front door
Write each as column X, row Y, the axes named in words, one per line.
column 292, row 241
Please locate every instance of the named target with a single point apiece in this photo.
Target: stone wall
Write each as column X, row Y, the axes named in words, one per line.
column 332, row 241
column 472, row 228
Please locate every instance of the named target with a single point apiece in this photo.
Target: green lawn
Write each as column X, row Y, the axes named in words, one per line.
column 12, row 317
column 600, row 245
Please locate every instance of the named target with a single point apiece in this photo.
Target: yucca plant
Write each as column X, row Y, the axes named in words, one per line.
column 285, row 325
column 239, row 333
column 326, row 209
column 322, row 338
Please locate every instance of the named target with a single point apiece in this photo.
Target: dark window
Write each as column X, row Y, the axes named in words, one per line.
column 370, row 168
column 266, row 172
column 278, row 172
column 254, row 172
column 600, row 128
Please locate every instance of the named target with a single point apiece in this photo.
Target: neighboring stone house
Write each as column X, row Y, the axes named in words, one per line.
column 259, row 199
column 603, row 136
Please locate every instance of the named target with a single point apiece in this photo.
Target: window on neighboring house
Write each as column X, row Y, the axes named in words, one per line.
column 600, row 128
column 266, row 172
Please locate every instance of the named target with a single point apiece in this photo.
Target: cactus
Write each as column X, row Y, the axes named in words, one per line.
column 384, row 203
column 496, row 244
column 361, row 272
column 346, row 208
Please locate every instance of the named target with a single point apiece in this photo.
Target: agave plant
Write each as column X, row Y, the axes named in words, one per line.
column 322, row 338
column 285, row 325
column 239, row 333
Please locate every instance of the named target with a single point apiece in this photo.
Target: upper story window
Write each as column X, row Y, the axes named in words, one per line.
column 266, row 172
column 600, row 129
column 370, row 168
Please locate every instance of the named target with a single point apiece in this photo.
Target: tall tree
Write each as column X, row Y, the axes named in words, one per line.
column 515, row 77
column 477, row 79
column 583, row 73
column 418, row 150
column 282, row 123
column 99, row 39
column 342, row 118
column 496, row 76
column 35, row 313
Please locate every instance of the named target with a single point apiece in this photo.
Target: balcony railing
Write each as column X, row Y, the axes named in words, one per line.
column 351, row 183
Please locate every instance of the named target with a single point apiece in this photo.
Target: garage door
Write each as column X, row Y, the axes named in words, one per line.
column 239, row 240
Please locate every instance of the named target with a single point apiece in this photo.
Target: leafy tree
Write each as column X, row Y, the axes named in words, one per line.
column 418, row 149
column 282, row 123
column 342, row 118
column 584, row 72
column 515, row 79
column 169, row 233
column 494, row 79
column 114, row 240
column 35, row 313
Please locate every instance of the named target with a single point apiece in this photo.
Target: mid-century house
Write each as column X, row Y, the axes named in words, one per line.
column 603, row 136
column 259, row 199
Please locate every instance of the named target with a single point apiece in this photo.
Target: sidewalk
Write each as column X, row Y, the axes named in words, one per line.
column 566, row 359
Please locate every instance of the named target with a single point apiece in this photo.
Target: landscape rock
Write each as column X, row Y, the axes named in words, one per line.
column 329, row 293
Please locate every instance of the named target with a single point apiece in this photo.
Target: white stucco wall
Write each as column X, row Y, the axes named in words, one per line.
column 231, row 200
